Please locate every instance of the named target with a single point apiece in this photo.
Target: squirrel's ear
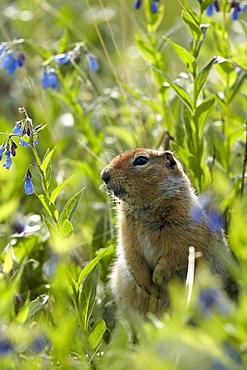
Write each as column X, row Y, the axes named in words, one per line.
column 170, row 160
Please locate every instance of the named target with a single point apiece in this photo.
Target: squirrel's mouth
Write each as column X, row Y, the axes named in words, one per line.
column 117, row 190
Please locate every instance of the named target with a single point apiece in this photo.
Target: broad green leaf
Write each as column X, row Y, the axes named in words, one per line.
column 67, row 228
column 49, row 206
column 47, row 159
column 189, row 10
column 192, row 26
column 70, row 208
column 91, row 265
column 37, row 304
column 182, row 94
column 202, row 76
column 234, row 89
column 59, row 188
column 203, row 111
column 146, row 50
column 97, row 333
column 188, row 59
column 52, row 229
column 87, row 297
column 8, row 261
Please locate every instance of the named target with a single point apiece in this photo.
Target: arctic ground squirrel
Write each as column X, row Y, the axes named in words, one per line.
column 155, row 228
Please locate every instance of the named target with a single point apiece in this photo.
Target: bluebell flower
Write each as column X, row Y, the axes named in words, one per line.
column 214, row 6
column 154, row 6
column 237, row 8
column 137, row 4
column 40, row 343
column 29, row 188
column 5, row 346
column 8, row 162
column 212, row 298
column 92, row 63
column 17, row 130
column 13, row 149
column 11, row 61
column 210, row 10
column 2, row 149
column 50, row 79
column 64, row 58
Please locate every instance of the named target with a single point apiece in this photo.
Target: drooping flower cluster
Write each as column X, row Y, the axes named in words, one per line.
column 28, row 136
column 10, row 60
column 154, row 5
column 237, row 7
column 50, row 78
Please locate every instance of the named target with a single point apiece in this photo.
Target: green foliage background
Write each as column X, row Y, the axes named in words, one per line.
column 177, row 70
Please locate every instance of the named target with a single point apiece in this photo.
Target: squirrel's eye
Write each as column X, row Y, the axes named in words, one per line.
column 140, row 161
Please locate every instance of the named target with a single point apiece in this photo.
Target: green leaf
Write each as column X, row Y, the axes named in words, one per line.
column 236, row 86
column 49, row 206
column 59, row 188
column 70, row 208
column 47, row 159
column 187, row 58
column 52, row 228
column 8, row 208
column 24, row 313
column 192, row 26
column 146, row 50
column 8, row 261
column 202, row 76
column 66, row 229
column 187, row 118
column 63, row 42
column 182, row 94
column 190, row 11
column 37, row 304
column 87, row 297
column 203, row 111
column 97, row 333
column 91, row 265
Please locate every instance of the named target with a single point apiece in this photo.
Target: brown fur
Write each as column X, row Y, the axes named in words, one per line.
column 155, row 229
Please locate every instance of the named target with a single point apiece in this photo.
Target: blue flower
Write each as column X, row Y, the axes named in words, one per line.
column 49, row 79
column 92, row 63
column 210, row 10
column 235, row 14
column 2, row 149
column 40, row 343
column 11, row 61
column 5, row 346
column 137, row 4
column 154, row 6
column 8, row 162
column 17, row 130
column 29, row 188
column 64, row 58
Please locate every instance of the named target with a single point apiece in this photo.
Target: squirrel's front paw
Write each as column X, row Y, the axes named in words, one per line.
column 161, row 275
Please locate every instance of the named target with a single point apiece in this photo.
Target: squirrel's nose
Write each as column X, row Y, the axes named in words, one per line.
column 105, row 175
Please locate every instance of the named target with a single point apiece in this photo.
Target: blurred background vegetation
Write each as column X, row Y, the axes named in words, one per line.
column 49, row 319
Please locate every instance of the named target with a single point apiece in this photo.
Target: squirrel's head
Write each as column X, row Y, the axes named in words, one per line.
column 140, row 177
